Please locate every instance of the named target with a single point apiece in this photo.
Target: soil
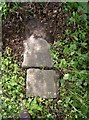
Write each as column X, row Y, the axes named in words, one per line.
column 52, row 15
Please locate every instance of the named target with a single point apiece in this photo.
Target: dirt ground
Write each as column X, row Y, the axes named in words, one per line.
column 52, row 15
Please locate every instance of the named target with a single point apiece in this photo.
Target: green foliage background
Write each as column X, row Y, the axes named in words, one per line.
column 72, row 56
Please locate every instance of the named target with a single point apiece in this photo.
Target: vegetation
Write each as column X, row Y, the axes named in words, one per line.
column 8, row 8
column 13, row 85
column 71, row 55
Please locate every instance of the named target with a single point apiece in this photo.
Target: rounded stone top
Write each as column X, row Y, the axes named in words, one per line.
column 36, row 53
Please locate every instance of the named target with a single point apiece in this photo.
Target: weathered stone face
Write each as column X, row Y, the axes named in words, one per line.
column 36, row 53
column 41, row 83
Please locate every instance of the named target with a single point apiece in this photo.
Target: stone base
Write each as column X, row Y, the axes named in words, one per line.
column 41, row 83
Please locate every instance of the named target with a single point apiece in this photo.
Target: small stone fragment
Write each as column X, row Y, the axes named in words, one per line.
column 25, row 115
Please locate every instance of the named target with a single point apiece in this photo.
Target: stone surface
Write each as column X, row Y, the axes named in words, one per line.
column 41, row 83
column 36, row 53
column 0, row 45
column 25, row 115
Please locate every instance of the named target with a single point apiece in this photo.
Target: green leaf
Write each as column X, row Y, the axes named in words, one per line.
column 66, row 77
column 83, row 6
column 66, row 50
column 73, row 47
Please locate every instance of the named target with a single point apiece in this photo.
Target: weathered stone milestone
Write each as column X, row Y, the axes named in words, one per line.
column 41, row 80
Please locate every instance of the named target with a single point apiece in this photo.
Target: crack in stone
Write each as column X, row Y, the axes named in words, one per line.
column 43, row 68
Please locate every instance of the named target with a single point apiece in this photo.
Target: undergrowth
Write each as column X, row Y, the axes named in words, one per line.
column 72, row 56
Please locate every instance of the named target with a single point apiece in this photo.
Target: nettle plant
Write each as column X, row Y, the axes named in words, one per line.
column 74, row 84
column 13, row 83
column 72, row 56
